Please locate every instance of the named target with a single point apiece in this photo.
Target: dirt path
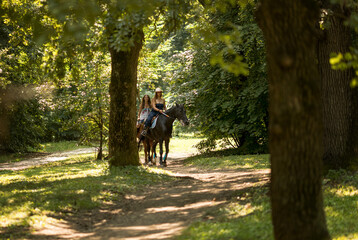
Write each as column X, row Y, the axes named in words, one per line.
column 163, row 211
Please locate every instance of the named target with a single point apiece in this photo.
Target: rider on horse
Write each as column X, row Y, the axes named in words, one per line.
column 158, row 105
column 144, row 110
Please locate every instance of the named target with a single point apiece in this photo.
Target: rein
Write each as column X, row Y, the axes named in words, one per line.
column 167, row 115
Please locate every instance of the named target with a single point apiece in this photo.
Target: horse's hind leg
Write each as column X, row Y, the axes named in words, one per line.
column 166, row 151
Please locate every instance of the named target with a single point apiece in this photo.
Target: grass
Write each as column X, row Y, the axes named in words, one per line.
column 61, row 146
column 46, row 148
column 44, row 194
column 179, row 145
column 183, row 145
column 230, row 162
column 341, row 204
column 248, row 217
column 36, row 196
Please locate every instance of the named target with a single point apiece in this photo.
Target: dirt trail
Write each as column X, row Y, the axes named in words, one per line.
column 163, row 211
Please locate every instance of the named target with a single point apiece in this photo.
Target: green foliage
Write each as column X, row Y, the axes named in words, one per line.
column 20, row 63
column 220, row 103
column 26, row 127
column 348, row 60
column 63, row 188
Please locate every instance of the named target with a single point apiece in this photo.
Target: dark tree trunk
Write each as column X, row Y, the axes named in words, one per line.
column 122, row 120
column 295, row 130
column 100, row 148
column 337, row 95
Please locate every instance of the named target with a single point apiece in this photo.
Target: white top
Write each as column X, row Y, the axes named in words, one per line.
column 144, row 113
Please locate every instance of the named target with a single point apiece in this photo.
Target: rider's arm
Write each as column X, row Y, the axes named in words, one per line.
column 140, row 111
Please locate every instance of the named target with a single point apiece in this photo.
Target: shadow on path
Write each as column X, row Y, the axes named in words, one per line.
column 163, row 211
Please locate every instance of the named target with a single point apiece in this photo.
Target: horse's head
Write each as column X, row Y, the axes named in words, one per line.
column 180, row 114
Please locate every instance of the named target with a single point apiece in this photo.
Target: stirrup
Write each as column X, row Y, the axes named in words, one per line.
column 144, row 132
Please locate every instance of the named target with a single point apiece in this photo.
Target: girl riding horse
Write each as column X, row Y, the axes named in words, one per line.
column 158, row 105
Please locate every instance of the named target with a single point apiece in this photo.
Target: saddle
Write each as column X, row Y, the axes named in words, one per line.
column 153, row 124
column 154, row 121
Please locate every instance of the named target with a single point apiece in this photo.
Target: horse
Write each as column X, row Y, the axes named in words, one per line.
column 148, row 146
column 162, row 131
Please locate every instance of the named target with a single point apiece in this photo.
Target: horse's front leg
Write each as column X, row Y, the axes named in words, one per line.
column 161, row 152
column 154, row 153
column 166, row 151
column 154, row 149
column 150, row 152
column 146, row 155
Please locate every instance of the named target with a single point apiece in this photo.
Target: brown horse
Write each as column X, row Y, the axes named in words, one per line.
column 148, row 145
column 162, row 132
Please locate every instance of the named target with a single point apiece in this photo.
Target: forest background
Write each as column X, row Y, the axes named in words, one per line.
column 69, row 72
column 60, row 90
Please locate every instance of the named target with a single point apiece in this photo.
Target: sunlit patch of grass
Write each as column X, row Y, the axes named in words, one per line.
column 46, row 148
column 247, row 217
column 184, row 145
column 250, row 218
column 27, row 197
column 231, row 162
column 179, row 145
column 61, row 146
column 341, row 204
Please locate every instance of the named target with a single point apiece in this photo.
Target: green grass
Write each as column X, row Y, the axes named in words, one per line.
column 39, row 195
column 341, row 204
column 43, row 194
column 249, row 216
column 246, row 218
column 61, row 146
column 179, row 145
column 183, row 145
column 230, row 162
column 45, row 148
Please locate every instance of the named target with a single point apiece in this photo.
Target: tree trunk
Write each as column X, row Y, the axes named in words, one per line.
column 295, row 130
column 122, row 120
column 337, row 95
column 100, row 115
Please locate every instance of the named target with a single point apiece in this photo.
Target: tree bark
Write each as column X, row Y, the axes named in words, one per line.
column 295, row 130
column 338, row 97
column 122, row 144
